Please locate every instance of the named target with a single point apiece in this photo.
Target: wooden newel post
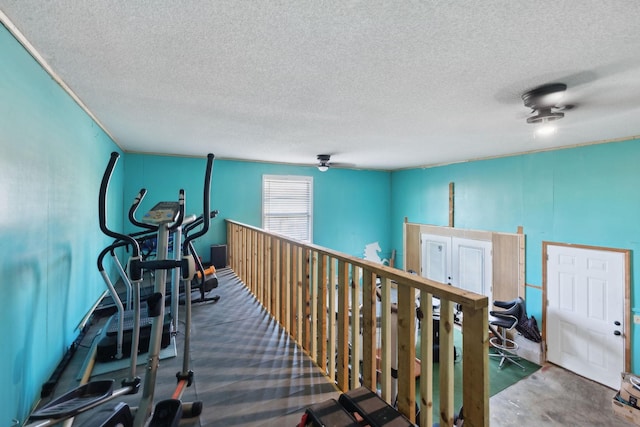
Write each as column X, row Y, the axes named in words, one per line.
column 475, row 381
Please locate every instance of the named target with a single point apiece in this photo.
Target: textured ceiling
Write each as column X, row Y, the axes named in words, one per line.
column 377, row 84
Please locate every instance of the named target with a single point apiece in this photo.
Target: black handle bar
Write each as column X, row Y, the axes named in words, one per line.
column 206, row 205
column 198, row 221
column 102, row 207
column 199, row 265
column 134, row 208
column 111, row 248
column 180, row 218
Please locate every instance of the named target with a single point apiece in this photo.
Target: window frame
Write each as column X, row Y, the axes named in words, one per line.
column 308, row 215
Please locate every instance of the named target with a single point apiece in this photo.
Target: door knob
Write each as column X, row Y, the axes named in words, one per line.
column 616, row 323
column 617, row 333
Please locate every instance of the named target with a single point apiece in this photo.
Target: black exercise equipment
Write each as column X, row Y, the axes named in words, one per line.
column 356, row 407
column 164, row 218
column 203, row 282
column 327, row 413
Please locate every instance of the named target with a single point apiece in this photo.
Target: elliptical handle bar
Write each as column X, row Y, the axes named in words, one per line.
column 110, row 248
column 134, row 208
column 180, row 218
column 205, row 205
column 102, row 207
column 198, row 222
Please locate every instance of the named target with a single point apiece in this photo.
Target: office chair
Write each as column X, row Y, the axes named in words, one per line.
column 502, row 322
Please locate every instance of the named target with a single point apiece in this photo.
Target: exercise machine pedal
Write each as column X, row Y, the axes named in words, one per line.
column 167, row 413
column 116, row 416
column 76, row 400
column 108, row 341
column 191, row 409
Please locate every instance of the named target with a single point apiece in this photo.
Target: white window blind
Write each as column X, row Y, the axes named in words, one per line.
column 287, row 205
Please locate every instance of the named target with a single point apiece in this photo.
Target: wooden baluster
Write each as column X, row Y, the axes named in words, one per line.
column 426, row 358
column 230, row 244
column 385, row 359
column 406, row 351
column 294, row 293
column 369, row 326
column 343, row 325
column 314, row 305
column 254, row 265
column 306, row 298
column 333, row 313
column 266, row 273
column 322, row 313
column 300, row 305
column 355, row 326
column 247, row 259
column 260, row 264
column 274, row 247
column 286, row 286
column 243, row 255
column 446, row 363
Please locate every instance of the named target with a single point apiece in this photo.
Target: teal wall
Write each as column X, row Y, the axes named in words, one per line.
column 588, row 195
column 52, row 159
column 350, row 207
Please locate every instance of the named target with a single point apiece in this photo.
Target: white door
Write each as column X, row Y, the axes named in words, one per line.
column 464, row 263
column 436, row 257
column 472, row 265
column 585, row 312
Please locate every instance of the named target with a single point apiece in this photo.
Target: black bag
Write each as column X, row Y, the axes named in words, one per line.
column 529, row 328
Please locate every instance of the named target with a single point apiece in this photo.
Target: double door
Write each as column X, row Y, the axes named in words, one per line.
column 464, row 263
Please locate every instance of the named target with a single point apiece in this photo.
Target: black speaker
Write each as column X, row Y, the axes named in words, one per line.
column 219, row 256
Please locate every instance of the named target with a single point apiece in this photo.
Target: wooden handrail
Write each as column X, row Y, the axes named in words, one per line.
column 314, row 292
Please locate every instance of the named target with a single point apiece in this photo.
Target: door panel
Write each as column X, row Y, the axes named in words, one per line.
column 470, row 271
column 472, row 265
column 436, row 258
column 585, row 299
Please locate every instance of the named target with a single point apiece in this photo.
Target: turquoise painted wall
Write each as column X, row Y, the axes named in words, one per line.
column 350, row 207
column 588, row 195
column 52, row 159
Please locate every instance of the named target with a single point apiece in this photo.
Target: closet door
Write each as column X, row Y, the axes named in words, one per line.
column 464, row 263
column 472, row 265
column 436, row 257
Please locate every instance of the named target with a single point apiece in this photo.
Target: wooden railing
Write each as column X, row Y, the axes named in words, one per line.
column 301, row 285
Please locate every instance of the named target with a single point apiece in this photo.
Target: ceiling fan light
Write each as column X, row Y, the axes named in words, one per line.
column 323, row 160
column 546, row 130
column 545, row 116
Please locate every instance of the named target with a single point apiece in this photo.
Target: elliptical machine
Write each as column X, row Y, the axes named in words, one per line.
column 163, row 217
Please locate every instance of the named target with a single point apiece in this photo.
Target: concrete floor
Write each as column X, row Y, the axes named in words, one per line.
column 248, row 372
column 553, row 396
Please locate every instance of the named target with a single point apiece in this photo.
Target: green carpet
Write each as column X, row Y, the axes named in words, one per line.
column 499, row 379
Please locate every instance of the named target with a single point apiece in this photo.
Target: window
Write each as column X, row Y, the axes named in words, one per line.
column 287, row 205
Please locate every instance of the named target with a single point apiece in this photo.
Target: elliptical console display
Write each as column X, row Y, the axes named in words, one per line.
column 162, row 213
